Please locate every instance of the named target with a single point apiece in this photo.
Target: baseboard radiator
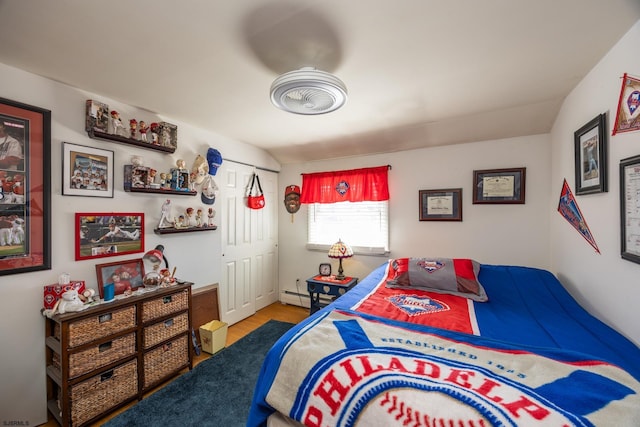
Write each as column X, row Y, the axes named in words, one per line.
column 299, row 299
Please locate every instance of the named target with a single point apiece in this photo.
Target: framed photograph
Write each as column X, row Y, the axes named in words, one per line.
column 630, row 208
column 125, row 275
column 86, row 171
column 25, row 193
column 441, row 205
column 499, row 186
column 591, row 156
column 108, row 234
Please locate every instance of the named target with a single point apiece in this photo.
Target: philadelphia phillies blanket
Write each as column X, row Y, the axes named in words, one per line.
column 347, row 369
column 532, row 357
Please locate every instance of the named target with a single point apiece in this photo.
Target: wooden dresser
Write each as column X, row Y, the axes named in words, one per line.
column 108, row 355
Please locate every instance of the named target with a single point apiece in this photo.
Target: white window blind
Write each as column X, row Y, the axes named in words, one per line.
column 362, row 225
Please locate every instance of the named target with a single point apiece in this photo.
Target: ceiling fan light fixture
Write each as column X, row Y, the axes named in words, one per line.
column 308, row 91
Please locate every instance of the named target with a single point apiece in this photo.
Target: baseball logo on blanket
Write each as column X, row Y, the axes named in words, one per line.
column 350, row 369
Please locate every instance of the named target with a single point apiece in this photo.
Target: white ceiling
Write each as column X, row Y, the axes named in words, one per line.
column 419, row 72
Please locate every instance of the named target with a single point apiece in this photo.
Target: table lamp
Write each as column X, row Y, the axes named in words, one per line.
column 340, row 250
column 155, row 257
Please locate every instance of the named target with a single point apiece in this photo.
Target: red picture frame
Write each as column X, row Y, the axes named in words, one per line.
column 25, row 166
column 129, row 275
column 100, row 235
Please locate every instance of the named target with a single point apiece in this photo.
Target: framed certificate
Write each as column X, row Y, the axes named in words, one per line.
column 505, row 186
column 441, row 205
column 630, row 208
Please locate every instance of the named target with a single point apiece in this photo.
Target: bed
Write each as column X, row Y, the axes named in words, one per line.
column 399, row 350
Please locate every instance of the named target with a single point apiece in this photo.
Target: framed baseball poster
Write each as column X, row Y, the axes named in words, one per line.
column 100, row 235
column 86, row 171
column 25, row 193
column 590, row 146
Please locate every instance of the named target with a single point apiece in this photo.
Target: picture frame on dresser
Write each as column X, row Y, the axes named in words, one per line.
column 499, row 186
column 86, row 171
column 125, row 275
column 590, row 150
column 25, row 169
column 100, row 235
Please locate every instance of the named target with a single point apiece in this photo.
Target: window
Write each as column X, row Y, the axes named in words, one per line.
column 363, row 225
column 351, row 205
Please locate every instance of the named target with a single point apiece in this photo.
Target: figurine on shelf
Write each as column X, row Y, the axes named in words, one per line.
column 117, row 128
column 165, row 219
column 199, row 218
column 189, row 213
column 211, row 214
column 143, row 129
column 151, row 179
column 180, row 222
column 133, row 126
column 181, row 164
column 155, row 138
column 167, row 181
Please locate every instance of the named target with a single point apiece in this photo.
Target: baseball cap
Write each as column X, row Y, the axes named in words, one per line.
column 209, row 191
column 292, row 189
column 214, row 159
column 200, row 169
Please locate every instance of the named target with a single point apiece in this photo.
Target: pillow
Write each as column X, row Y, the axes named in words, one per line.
column 442, row 275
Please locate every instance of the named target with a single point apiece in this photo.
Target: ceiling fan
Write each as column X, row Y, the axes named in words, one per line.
column 308, row 91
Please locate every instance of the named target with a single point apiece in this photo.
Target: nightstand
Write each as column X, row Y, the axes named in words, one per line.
column 327, row 285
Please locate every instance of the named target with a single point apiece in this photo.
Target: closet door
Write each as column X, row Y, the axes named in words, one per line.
column 249, row 243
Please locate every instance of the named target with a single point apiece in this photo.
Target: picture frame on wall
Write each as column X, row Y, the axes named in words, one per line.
column 590, row 147
column 25, row 205
column 629, row 212
column 86, row 171
column 125, row 275
column 100, row 235
column 499, row 186
column 440, row 205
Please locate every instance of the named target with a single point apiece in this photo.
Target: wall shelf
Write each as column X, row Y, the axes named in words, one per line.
column 94, row 134
column 183, row 230
column 161, row 191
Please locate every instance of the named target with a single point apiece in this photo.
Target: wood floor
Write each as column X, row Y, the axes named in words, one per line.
column 276, row 311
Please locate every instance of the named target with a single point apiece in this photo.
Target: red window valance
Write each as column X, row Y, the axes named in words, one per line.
column 355, row 185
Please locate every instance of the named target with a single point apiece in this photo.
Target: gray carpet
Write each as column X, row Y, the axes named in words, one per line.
column 217, row 392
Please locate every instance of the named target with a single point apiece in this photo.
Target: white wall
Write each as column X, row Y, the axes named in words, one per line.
column 491, row 234
column 604, row 283
column 196, row 255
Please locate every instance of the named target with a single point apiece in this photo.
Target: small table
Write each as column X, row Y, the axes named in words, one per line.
column 327, row 285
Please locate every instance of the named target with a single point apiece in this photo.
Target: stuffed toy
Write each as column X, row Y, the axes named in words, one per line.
column 69, row 302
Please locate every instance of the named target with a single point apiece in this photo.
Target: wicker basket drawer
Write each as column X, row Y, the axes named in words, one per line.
column 162, row 331
column 99, row 326
column 102, row 392
column 162, row 361
column 165, row 305
column 101, row 355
